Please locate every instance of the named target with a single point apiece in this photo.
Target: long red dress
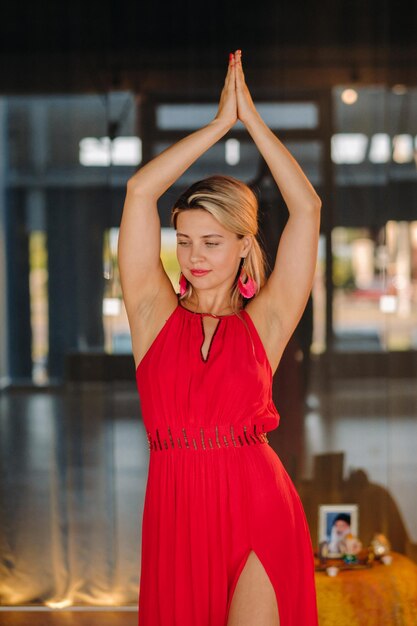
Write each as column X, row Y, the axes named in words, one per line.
column 216, row 489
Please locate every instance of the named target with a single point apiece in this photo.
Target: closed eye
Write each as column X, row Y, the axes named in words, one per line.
column 208, row 243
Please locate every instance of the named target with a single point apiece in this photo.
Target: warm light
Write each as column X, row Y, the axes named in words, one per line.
column 232, row 147
column 399, row 90
column 363, row 252
column 349, row 147
column 349, row 96
column 403, row 148
column 62, row 604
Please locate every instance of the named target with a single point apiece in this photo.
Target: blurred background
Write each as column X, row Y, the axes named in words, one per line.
column 89, row 93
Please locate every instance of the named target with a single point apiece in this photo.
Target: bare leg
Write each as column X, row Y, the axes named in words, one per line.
column 254, row 601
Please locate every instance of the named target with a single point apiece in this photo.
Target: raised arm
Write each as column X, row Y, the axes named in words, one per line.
column 141, row 271
column 287, row 289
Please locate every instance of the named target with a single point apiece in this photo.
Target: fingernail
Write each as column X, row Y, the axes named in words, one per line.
column 230, row 56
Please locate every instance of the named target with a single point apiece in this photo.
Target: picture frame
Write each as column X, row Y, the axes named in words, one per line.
column 335, row 521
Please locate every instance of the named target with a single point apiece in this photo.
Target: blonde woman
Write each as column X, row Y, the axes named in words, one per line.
column 224, row 536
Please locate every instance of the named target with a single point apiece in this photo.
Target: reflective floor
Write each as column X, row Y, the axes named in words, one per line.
column 74, row 465
column 68, row 618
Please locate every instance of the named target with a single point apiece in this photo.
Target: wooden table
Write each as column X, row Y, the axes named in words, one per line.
column 378, row 596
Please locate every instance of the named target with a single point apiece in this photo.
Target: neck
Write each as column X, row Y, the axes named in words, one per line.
column 208, row 305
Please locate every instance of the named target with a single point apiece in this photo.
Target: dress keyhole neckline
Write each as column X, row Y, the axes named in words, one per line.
column 203, row 329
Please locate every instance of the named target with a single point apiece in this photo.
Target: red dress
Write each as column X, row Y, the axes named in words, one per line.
column 216, row 489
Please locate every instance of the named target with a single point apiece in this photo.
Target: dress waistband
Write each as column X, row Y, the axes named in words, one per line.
column 204, row 438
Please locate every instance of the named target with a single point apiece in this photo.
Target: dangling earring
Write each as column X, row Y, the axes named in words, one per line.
column 249, row 288
column 183, row 284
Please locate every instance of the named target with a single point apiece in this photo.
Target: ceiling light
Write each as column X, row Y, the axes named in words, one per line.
column 399, row 90
column 349, row 96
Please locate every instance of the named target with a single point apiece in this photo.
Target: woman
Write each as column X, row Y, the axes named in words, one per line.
column 224, row 537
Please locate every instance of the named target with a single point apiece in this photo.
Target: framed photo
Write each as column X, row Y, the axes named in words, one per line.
column 335, row 522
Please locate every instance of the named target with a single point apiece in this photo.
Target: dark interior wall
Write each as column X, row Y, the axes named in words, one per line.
column 76, row 221
column 187, row 25
column 72, row 46
column 19, row 335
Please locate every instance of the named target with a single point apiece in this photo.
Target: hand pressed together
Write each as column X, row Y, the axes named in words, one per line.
column 235, row 99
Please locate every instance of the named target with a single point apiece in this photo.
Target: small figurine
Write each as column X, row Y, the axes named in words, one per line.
column 350, row 546
column 380, row 545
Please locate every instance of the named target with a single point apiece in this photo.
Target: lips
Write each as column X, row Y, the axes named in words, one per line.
column 199, row 272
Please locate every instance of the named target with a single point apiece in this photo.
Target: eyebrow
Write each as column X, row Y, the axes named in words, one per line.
column 202, row 237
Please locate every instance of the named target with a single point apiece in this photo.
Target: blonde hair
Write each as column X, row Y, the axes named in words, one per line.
column 235, row 206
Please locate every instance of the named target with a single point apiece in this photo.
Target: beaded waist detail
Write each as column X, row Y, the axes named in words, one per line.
column 166, row 438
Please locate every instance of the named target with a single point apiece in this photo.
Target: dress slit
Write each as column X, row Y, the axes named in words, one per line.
column 236, row 579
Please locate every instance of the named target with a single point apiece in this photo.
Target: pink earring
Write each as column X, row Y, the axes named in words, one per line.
column 247, row 289
column 183, row 284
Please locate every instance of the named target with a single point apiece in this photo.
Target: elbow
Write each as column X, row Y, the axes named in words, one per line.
column 137, row 188
column 133, row 183
column 136, row 181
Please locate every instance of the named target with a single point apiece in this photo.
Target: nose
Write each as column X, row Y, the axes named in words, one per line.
column 195, row 255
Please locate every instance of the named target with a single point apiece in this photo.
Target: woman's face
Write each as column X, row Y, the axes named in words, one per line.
column 204, row 244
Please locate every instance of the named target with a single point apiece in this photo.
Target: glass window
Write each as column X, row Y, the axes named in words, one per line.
column 38, row 286
column 375, row 287
column 116, row 326
column 280, row 115
column 216, row 160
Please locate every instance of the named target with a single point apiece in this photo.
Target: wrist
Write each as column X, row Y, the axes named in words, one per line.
column 221, row 124
column 253, row 120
